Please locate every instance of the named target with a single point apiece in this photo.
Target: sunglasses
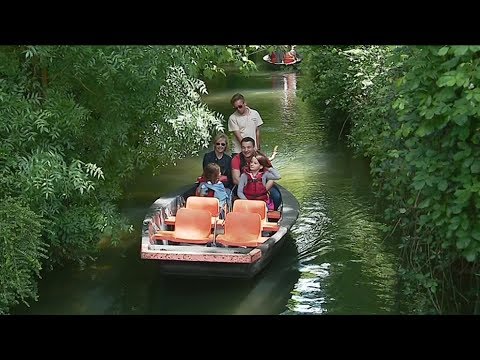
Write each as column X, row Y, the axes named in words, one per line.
column 221, row 144
column 239, row 106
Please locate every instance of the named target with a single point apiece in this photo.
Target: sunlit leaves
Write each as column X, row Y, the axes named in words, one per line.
column 30, row 52
column 460, row 50
column 189, row 123
column 443, row 51
column 447, row 79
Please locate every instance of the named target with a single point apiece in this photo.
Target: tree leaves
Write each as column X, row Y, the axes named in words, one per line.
column 20, row 259
column 78, row 122
column 423, row 152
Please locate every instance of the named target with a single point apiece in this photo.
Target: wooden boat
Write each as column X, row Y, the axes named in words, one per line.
column 267, row 59
column 212, row 252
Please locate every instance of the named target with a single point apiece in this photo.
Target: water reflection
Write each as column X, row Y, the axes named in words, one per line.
column 289, row 92
column 308, row 296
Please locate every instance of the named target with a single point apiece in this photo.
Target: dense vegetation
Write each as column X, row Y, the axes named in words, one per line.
column 77, row 122
column 414, row 112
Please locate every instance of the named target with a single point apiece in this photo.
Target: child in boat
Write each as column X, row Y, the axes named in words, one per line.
column 212, row 174
column 255, row 182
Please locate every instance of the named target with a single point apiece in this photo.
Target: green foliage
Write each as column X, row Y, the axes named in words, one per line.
column 326, row 72
column 212, row 60
column 21, row 251
column 439, row 115
column 78, row 122
column 414, row 113
column 189, row 122
column 75, row 233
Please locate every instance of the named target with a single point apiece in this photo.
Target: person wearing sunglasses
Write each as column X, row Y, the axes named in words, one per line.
column 219, row 156
column 244, row 122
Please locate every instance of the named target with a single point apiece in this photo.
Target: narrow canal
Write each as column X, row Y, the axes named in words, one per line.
column 334, row 260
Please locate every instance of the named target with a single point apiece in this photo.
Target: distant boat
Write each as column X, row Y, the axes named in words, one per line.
column 267, row 59
column 184, row 235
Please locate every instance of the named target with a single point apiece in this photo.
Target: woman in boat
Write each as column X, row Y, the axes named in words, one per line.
column 218, row 156
column 256, row 182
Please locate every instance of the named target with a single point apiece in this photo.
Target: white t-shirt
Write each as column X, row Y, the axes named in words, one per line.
column 247, row 124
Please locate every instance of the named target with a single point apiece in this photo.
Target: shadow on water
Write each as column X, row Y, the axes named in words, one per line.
column 268, row 293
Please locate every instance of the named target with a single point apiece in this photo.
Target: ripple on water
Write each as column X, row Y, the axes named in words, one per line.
column 309, row 295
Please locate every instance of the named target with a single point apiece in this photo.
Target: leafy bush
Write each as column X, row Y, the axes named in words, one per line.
column 77, row 123
column 414, row 113
column 21, row 251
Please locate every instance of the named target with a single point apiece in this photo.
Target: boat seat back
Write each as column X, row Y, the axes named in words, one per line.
column 242, row 229
column 204, row 203
column 192, row 224
column 256, row 207
column 251, row 206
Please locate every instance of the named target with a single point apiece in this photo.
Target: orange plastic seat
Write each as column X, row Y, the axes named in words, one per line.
column 242, row 229
column 274, row 215
column 204, row 202
column 191, row 226
column 258, row 207
column 201, row 202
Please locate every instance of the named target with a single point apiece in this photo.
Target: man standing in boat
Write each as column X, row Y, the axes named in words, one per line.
column 244, row 122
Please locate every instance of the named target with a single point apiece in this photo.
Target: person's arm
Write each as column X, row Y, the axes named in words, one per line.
column 235, row 176
column 241, row 185
column 274, row 153
column 257, row 132
column 233, row 127
column 236, row 169
column 268, row 177
column 238, row 135
column 258, row 123
column 202, row 189
column 271, row 174
column 269, row 184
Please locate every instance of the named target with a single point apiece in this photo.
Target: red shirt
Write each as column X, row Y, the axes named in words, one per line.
column 236, row 164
